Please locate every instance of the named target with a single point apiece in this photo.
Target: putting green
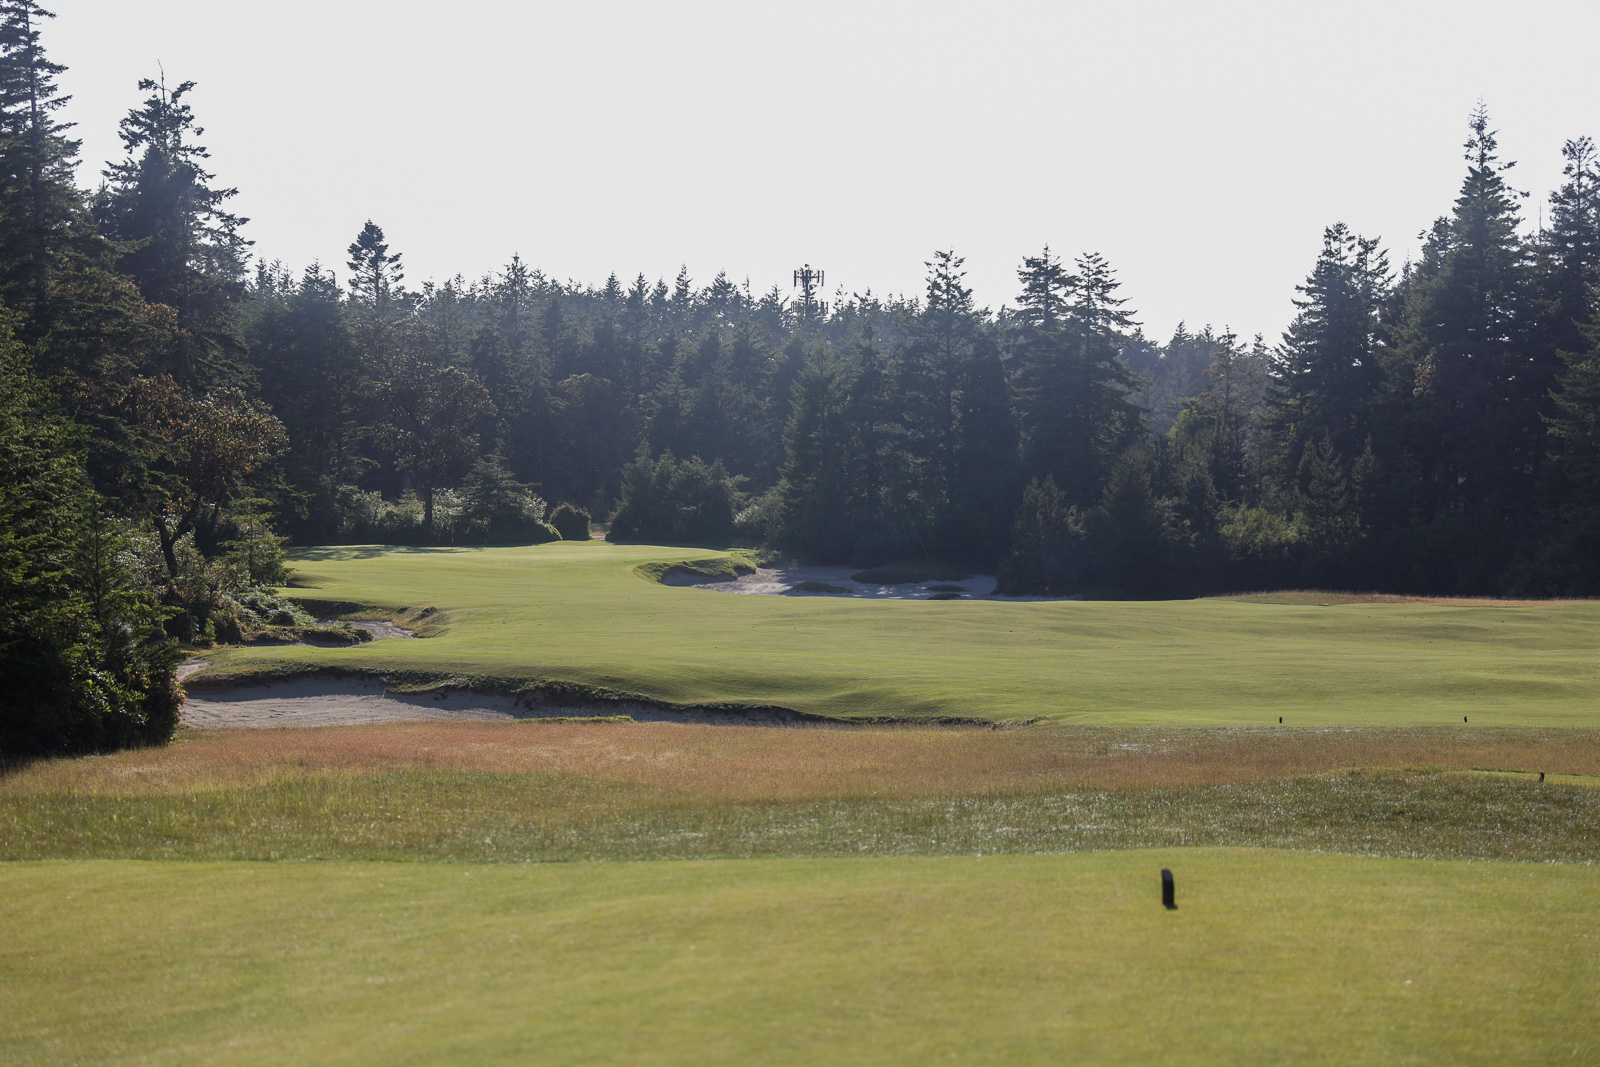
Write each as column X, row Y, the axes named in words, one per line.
column 578, row 613
column 1270, row 957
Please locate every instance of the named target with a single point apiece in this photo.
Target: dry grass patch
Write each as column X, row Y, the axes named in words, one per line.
column 738, row 763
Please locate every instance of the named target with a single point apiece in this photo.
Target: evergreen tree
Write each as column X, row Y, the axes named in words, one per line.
column 1480, row 382
column 983, row 483
column 81, row 649
column 942, row 339
column 1575, row 432
column 1134, row 530
column 378, row 298
column 182, row 246
column 1077, row 412
column 313, row 376
column 1570, row 249
column 39, row 200
column 819, row 506
column 1046, row 545
column 1329, row 371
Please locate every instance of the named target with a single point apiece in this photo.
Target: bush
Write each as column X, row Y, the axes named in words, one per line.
column 758, row 520
column 496, row 508
column 84, row 662
column 571, row 522
column 688, row 502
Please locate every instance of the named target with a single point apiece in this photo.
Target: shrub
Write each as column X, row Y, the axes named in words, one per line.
column 674, row 502
column 83, row 659
column 571, row 522
column 496, row 508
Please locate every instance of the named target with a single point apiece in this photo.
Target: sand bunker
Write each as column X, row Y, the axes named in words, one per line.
column 353, row 701
column 797, row 580
column 334, row 702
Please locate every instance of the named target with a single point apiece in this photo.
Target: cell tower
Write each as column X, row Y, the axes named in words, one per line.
column 809, row 281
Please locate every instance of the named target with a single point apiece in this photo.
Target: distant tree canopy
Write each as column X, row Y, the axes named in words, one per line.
column 172, row 413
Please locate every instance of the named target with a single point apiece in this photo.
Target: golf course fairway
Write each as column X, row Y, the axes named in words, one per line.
column 579, row 613
column 1269, row 957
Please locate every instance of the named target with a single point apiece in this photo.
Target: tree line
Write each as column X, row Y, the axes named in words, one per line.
column 174, row 408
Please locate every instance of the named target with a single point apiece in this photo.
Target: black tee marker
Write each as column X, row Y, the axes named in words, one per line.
column 1168, row 893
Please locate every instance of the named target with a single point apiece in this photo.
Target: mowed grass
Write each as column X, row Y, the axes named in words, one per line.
column 578, row 613
column 1270, row 957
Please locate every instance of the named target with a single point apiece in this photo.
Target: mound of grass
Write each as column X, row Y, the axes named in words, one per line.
column 905, row 572
column 1270, row 958
column 945, row 596
column 710, row 569
column 576, row 613
column 822, row 587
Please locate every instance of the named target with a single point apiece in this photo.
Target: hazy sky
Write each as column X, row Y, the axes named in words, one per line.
column 1201, row 147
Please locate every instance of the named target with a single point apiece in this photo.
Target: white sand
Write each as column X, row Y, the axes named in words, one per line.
column 351, row 701
column 788, row 581
column 334, row 702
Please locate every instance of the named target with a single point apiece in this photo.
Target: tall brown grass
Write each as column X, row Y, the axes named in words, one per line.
column 762, row 763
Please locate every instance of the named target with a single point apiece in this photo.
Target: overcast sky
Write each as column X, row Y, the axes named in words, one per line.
column 1201, row 147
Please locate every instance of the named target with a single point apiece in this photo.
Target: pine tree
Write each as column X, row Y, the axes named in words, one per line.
column 1075, row 394
column 1575, row 462
column 377, row 295
column 1479, row 382
column 1569, row 249
column 984, row 478
column 182, row 245
column 942, row 340
column 314, row 377
column 39, row 200
column 1330, row 367
column 819, row 507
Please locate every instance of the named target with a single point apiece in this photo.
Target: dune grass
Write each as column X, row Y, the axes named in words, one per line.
column 490, row 792
column 1270, row 957
column 745, row 763
column 578, row 613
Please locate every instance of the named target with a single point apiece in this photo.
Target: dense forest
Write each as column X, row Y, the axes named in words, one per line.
column 174, row 408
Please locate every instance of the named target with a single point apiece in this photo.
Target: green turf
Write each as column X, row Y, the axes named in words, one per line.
column 1270, row 958
column 579, row 613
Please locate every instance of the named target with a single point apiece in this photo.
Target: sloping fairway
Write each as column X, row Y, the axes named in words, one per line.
column 578, row 613
column 1270, row 957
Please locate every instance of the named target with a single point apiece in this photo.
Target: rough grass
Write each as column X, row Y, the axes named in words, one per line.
column 1270, row 958
column 577, row 613
column 497, row 792
column 744, row 763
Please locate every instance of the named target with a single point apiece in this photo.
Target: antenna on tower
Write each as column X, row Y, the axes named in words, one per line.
column 809, row 282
